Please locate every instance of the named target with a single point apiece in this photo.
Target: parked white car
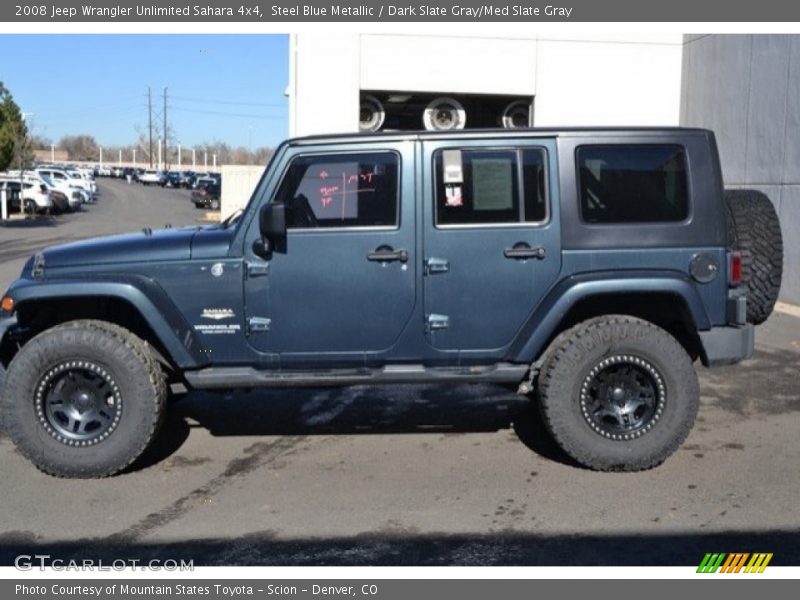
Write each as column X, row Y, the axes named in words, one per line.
column 28, row 194
column 64, row 180
column 85, row 176
column 151, row 176
column 72, row 188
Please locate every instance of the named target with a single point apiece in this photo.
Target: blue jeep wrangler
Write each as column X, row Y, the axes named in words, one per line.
column 590, row 268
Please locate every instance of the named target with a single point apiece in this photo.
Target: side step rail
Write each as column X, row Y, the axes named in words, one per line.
column 248, row 377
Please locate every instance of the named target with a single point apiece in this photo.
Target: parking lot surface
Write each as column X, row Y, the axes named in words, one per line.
column 409, row 475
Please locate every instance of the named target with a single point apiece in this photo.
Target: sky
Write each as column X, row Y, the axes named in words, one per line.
column 227, row 88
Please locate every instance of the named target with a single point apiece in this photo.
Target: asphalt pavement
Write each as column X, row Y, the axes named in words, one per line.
column 409, row 475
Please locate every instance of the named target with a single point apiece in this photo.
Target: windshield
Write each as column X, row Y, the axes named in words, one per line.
column 232, row 218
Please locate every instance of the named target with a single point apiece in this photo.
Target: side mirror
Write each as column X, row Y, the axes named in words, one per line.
column 272, row 221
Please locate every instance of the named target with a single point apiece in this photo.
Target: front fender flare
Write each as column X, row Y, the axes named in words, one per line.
column 142, row 293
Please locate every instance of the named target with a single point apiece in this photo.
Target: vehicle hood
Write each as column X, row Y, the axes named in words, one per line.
column 145, row 246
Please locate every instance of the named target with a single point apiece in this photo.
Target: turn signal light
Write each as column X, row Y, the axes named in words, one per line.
column 734, row 268
column 7, row 304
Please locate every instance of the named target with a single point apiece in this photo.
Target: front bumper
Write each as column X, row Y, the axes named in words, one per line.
column 727, row 345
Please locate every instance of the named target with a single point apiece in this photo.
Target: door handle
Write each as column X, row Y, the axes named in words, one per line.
column 522, row 251
column 387, row 254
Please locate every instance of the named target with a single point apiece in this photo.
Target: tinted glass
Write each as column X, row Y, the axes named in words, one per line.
column 475, row 187
column 632, row 183
column 352, row 190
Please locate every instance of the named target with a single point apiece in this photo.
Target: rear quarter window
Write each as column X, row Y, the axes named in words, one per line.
column 632, row 183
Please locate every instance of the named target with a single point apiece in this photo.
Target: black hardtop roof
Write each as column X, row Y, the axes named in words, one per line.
column 495, row 132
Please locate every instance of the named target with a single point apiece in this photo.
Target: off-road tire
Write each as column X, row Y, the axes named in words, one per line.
column 129, row 364
column 755, row 230
column 568, row 365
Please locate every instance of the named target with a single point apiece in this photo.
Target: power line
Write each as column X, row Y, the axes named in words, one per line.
column 232, row 102
column 226, row 114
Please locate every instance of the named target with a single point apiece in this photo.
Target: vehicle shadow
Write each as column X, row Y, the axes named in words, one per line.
column 29, row 221
column 414, row 549
column 355, row 410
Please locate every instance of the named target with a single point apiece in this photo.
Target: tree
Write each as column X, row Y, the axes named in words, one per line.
column 40, row 142
column 15, row 145
column 79, row 147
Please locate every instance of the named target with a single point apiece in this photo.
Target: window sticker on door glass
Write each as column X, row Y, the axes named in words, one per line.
column 453, row 196
column 492, row 184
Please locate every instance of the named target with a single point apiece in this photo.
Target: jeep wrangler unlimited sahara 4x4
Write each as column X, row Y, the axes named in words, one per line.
column 589, row 267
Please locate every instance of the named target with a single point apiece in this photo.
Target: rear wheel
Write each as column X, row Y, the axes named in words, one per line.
column 83, row 399
column 214, row 204
column 618, row 393
column 755, row 230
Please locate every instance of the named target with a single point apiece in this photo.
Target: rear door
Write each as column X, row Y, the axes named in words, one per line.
column 491, row 239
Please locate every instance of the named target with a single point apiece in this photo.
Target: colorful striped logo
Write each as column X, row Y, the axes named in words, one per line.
column 735, row 562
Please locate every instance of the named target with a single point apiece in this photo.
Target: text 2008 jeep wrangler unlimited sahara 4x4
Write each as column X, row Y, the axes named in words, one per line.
column 591, row 267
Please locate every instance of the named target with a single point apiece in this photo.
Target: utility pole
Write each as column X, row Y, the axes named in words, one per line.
column 194, row 162
column 52, row 153
column 101, row 157
column 150, row 125
column 166, row 139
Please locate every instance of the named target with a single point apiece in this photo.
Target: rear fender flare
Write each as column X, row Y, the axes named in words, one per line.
column 542, row 325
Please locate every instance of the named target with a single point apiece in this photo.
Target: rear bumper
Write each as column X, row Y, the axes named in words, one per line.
column 727, row 345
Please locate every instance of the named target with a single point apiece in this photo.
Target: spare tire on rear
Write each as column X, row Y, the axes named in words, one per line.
column 755, row 231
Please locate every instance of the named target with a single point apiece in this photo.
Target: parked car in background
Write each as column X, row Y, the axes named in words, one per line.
column 29, row 194
column 63, row 179
column 204, row 181
column 207, row 196
column 153, row 177
column 117, row 172
column 85, row 181
column 188, row 179
column 196, row 181
column 56, row 179
column 174, row 179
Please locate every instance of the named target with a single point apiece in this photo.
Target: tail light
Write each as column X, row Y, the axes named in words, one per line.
column 734, row 268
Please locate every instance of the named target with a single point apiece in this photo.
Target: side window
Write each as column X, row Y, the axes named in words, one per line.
column 351, row 190
column 632, row 183
column 488, row 187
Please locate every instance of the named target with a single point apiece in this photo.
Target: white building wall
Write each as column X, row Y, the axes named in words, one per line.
column 448, row 63
column 238, row 184
column 588, row 80
column 323, row 84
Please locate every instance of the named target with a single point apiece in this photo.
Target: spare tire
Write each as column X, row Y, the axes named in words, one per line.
column 754, row 230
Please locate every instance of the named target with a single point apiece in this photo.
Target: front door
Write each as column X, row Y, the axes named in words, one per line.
column 491, row 241
column 342, row 290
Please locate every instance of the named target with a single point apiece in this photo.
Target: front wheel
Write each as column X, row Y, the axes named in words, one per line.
column 214, row 204
column 83, row 399
column 618, row 393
